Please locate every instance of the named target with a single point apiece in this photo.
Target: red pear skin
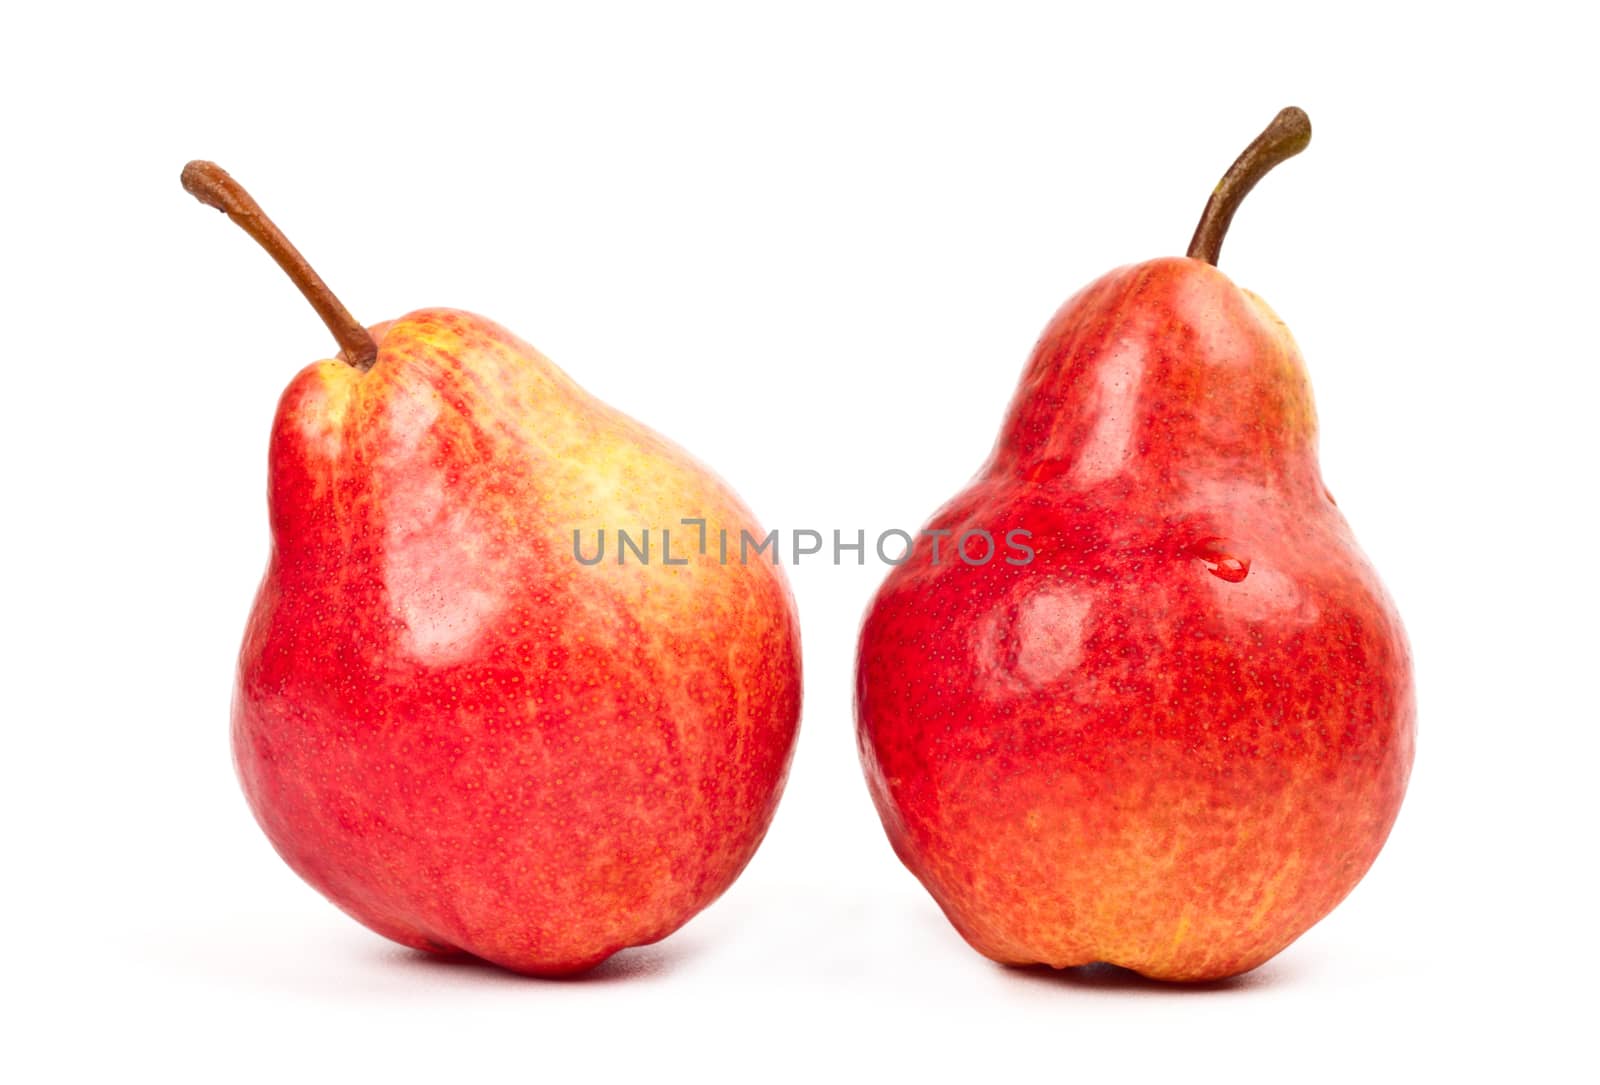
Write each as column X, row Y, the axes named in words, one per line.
column 461, row 735
column 1180, row 735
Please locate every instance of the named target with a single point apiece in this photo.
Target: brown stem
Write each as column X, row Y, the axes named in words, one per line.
column 1287, row 135
column 210, row 184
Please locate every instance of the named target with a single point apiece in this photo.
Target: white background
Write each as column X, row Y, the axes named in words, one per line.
column 814, row 246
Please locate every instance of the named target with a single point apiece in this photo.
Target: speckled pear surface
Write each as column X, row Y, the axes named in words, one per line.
column 464, row 737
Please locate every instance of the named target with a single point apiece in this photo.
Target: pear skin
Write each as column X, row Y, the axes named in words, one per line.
column 459, row 733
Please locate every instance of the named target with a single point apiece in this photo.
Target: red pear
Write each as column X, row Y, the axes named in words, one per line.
column 1178, row 736
column 459, row 732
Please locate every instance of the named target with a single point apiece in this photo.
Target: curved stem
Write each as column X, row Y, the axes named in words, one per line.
column 1287, row 135
column 210, row 184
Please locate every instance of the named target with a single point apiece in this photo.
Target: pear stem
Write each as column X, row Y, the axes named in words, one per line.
column 1287, row 135
column 210, row 184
